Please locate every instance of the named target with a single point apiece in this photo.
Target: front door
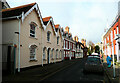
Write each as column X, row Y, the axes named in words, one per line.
column 8, row 62
column 48, row 53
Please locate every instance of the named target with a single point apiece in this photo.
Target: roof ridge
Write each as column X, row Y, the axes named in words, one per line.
column 9, row 9
column 57, row 25
column 46, row 18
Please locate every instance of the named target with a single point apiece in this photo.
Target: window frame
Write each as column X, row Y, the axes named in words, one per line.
column 33, row 52
column 44, row 54
column 58, row 39
column 33, row 29
column 48, row 36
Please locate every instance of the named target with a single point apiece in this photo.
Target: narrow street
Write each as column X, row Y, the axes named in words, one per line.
column 66, row 71
column 75, row 73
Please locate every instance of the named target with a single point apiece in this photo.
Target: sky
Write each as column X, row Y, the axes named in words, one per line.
column 86, row 18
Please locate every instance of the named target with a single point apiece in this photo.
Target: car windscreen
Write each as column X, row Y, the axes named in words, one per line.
column 96, row 60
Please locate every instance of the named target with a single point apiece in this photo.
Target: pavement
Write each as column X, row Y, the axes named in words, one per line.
column 37, row 74
column 109, row 73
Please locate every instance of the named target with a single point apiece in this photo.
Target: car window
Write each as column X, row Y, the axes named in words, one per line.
column 96, row 60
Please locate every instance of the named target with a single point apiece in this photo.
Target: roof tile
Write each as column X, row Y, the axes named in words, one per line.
column 16, row 11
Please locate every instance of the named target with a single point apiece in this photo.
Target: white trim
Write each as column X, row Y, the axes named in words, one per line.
column 33, row 54
column 32, row 44
column 69, row 40
column 51, row 20
column 38, row 11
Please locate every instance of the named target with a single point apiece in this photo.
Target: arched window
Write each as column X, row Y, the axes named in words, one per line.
column 58, row 40
column 48, row 36
column 52, row 54
column 33, row 52
column 32, row 29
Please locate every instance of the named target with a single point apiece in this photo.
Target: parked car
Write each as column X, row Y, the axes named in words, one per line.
column 95, row 54
column 93, row 64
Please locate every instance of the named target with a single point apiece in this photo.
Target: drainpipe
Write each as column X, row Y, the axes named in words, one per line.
column 113, row 61
column 19, row 44
column 18, row 17
column 42, row 46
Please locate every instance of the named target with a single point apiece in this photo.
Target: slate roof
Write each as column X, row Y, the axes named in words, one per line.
column 16, row 11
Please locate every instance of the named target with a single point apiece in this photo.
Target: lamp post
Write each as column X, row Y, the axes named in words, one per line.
column 113, row 62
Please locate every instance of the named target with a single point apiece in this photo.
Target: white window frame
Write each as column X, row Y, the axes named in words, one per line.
column 64, row 53
column 114, row 33
column 51, row 54
column 32, row 34
column 33, row 52
column 64, row 43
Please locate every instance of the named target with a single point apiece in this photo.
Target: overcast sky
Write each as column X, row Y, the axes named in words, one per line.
column 86, row 18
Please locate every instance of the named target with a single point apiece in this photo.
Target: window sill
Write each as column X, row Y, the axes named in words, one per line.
column 49, row 42
column 57, row 44
column 33, row 37
column 33, row 60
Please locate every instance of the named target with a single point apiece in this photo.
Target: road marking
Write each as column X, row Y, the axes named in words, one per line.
column 55, row 72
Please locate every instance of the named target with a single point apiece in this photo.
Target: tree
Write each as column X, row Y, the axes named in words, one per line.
column 91, row 47
column 97, row 49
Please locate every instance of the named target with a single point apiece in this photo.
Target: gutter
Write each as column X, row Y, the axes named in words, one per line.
column 7, row 18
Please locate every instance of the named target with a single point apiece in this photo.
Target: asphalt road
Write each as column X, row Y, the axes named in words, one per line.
column 66, row 71
column 74, row 73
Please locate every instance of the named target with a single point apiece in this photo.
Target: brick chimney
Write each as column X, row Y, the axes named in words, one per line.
column 67, row 29
column 76, row 38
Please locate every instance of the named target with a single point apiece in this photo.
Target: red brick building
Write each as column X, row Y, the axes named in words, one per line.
column 110, row 43
column 69, row 45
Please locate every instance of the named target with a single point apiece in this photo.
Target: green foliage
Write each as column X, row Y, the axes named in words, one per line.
column 97, row 49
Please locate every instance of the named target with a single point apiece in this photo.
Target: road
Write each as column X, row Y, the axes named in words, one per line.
column 66, row 71
column 74, row 73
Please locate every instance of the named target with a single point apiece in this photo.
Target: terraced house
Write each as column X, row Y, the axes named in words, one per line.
column 29, row 39
column 69, row 44
column 53, row 42
column 79, row 50
column 111, row 45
